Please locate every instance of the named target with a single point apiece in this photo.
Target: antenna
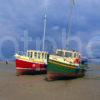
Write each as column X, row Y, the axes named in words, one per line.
column 72, row 4
column 45, row 25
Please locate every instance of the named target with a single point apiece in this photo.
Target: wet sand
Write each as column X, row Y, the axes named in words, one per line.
column 34, row 87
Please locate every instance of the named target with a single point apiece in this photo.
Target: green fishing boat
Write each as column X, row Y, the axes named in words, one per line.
column 65, row 63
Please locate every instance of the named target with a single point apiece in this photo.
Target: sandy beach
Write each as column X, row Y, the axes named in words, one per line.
column 34, row 87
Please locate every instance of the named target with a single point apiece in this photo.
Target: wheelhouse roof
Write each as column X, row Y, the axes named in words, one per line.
column 71, row 51
column 37, row 51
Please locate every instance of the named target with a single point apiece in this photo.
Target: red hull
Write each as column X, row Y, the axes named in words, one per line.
column 25, row 66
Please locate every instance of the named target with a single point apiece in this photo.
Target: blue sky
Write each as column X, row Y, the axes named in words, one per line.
column 17, row 16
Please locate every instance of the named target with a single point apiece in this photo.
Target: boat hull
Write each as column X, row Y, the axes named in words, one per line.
column 23, row 67
column 57, row 70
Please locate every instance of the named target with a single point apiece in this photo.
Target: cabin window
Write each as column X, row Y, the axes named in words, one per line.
column 31, row 54
column 75, row 55
column 45, row 56
column 42, row 55
column 60, row 53
column 28, row 54
column 35, row 55
column 68, row 54
column 39, row 55
column 78, row 55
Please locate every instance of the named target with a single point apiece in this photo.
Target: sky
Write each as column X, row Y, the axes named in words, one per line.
column 20, row 19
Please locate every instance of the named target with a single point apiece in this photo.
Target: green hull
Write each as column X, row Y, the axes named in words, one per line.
column 58, row 67
column 57, row 70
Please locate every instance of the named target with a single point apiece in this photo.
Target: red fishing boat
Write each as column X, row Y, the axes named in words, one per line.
column 30, row 62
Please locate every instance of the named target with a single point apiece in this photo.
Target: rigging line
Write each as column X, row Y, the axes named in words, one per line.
column 70, row 21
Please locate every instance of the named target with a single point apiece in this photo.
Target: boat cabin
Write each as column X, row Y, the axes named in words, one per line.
column 37, row 54
column 68, row 54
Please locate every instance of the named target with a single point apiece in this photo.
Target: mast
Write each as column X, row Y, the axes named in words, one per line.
column 45, row 26
column 72, row 4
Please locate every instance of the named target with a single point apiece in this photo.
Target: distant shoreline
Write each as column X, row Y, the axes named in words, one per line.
column 8, row 61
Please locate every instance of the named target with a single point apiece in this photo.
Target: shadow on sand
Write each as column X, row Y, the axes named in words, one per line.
column 33, row 73
column 62, row 78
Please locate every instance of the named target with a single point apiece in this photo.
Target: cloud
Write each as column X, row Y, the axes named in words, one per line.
column 16, row 16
